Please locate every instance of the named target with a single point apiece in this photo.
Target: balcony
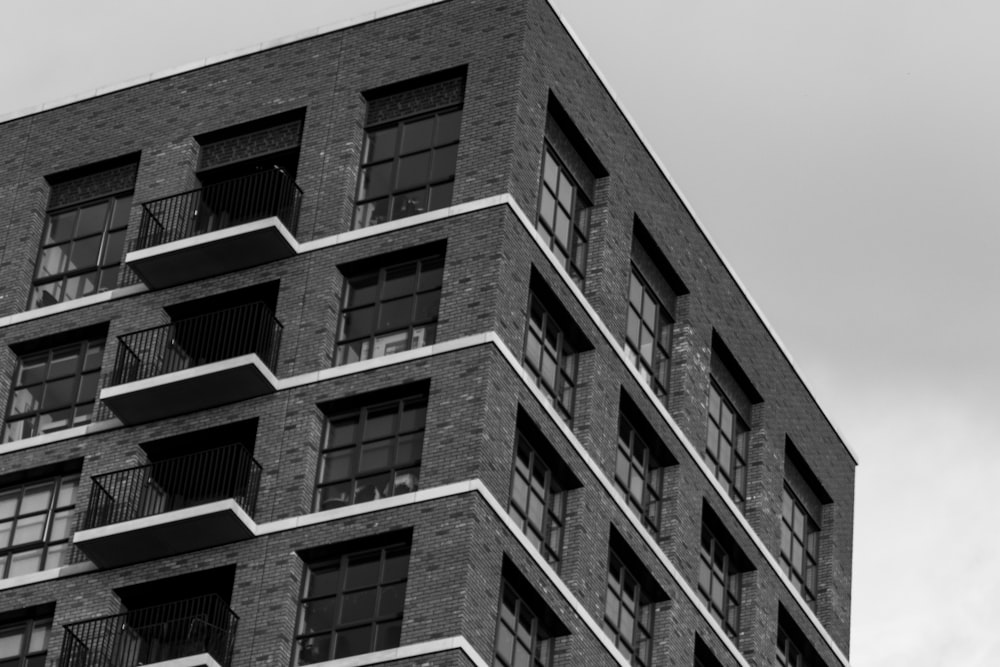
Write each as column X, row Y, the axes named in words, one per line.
column 201, row 629
column 194, row 363
column 169, row 507
column 227, row 226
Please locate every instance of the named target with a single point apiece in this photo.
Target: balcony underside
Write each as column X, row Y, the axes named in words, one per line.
column 197, row 660
column 213, row 253
column 167, row 534
column 190, row 390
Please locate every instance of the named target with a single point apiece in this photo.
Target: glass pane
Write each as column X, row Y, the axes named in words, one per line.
column 390, row 344
column 406, row 481
column 92, row 219
column 108, row 279
column 84, row 253
column 417, row 135
column 353, row 642
column 448, row 126
column 25, row 562
column 380, row 144
column 371, row 213
column 381, row 422
column 59, row 393
column 335, row 495
column 376, row 456
column 358, row 323
column 5, row 530
column 46, row 295
column 397, row 561
column 36, row 498
column 376, row 181
column 409, row 203
column 80, row 286
column 53, row 261
column 26, row 400
column 39, row 636
column 413, row 171
column 313, row 649
column 29, row 529
column 388, row 635
column 427, row 307
column 561, row 231
column 547, row 207
column 88, row 388
column 372, row 488
column 391, row 600
column 444, row 163
column 64, row 362
column 54, row 556
column 336, row 466
column 413, row 416
column 119, row 218
column 61, row 227
column 431, row 271
column 362, row 570
column 60, row 525
column 92, row 361
column 395, row 314
column 550, row 171
column 441, row 196
column 113, row 249
column 342, row 432
column 358, row 606
column 8, row 503
column 362, row 290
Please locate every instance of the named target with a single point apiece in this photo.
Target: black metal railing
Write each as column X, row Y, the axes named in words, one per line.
column 248, row 329
column 259, row 195
column 173, row 484
column 203, row 624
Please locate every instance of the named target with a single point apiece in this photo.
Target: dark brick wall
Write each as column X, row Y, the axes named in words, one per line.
column 91, row 186
column 386, row 107
column 250, row 145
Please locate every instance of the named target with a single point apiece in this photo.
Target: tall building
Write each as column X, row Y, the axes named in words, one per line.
column 394, row 344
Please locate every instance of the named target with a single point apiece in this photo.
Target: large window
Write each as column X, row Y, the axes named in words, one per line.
column 647, row 337
column 639, row 475
column 788, row 654
column 628, row 613
column 81, row 250
column 799, row 545
column 522, row 639
column 719, row 582
column 726, row 448
column 407, row 167
column 390, row 309
column 36, row 520
column 537, row 501
column 54, row 389
column 352, row 604
column 371, row 452
column 550, row 358
column 563, row 216
column 24, row 643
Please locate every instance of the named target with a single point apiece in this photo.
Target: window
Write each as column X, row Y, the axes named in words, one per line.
column 639, row 475
column 352, row 604
column 799, row 545
column 54, row 389
column 407, row 167
column 81, row 249
column 628, row 613
column 788, row 654
column 563, row 216
column 647, row 338
column 35, row 525
column 550, row 358
column 390, row 309
column 537, row 500
column 726, row 449
column 372, row 452
column 24, row 644
column 522, row 639
column 719, row 582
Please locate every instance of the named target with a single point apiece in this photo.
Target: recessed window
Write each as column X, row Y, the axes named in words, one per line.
column 628, row 613
column 639, row 475
column 799, row 545
column 788, row 653
column 352, row 604
column 550, row 358
column 371, row 452
column 36, row 520
column 537, row 500
column 719, row 581
column 390, row 309
column 647, row 337
column 54, row 389
column 522, row 638
column 563, row 216
column 726, row 446
column 81, row 250
column 25, row 643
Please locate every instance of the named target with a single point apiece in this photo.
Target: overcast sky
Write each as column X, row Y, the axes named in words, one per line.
column 844, row 156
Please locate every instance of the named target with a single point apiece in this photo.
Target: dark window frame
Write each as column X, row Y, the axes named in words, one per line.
column 571, row 251
column 356, row 448
column 803, row 571
column 368, row 335
column 718, row 573
column 338, row 568
column 114, row 223
column 547, row 538
column 639, row 647
column 647, row 469
column 654, row 368
column 29, row 419
column 29, row 655
column 788, row 654
column 538, row 648
column 445, row 184
column 57, row 511
column 565, row 357
column 730, row 444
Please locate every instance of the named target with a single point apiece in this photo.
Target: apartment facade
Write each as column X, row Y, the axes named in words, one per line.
column 393, row 344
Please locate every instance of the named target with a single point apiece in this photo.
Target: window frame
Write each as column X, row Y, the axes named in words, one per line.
column 101, row 264
column 565, row 356
column 787, row 652
column 548, row 538
column 27, row 657
column 340, row 563
column 573, row 257
column 356, row 447
column 804, row 574
column 81, row 370
column 540, row 647
column 733, row 476
column 644, row 607
column 656, row 370
column 358, row 219
column 650, row 476
column 725, row 575
column 427, row 326
column 51, row 515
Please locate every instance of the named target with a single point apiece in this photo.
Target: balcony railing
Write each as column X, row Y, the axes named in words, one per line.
column 248, row 329
column 173, row 484
column 254, row 197
column 204, row 624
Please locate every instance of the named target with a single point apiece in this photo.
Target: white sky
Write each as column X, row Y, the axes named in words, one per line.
column 843, row 155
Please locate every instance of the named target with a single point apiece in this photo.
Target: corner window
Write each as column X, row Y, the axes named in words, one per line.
column 36, row 520
column 719, row 582
column 371, row 452
column 390, row 309
column 25, row 643
column 647, row 337
column 550, row 358
column 563, row 216
column 726, row 447
column 352, row 604
column 639, row 475
column 799, row 545
column 54, row 389
column 82, row 247
column 537, row 500
column 522, row 638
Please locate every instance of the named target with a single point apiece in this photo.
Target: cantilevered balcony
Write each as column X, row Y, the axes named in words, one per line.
column 169, row 507
column 194, row 363
column 227, row 226
column 198, row 632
